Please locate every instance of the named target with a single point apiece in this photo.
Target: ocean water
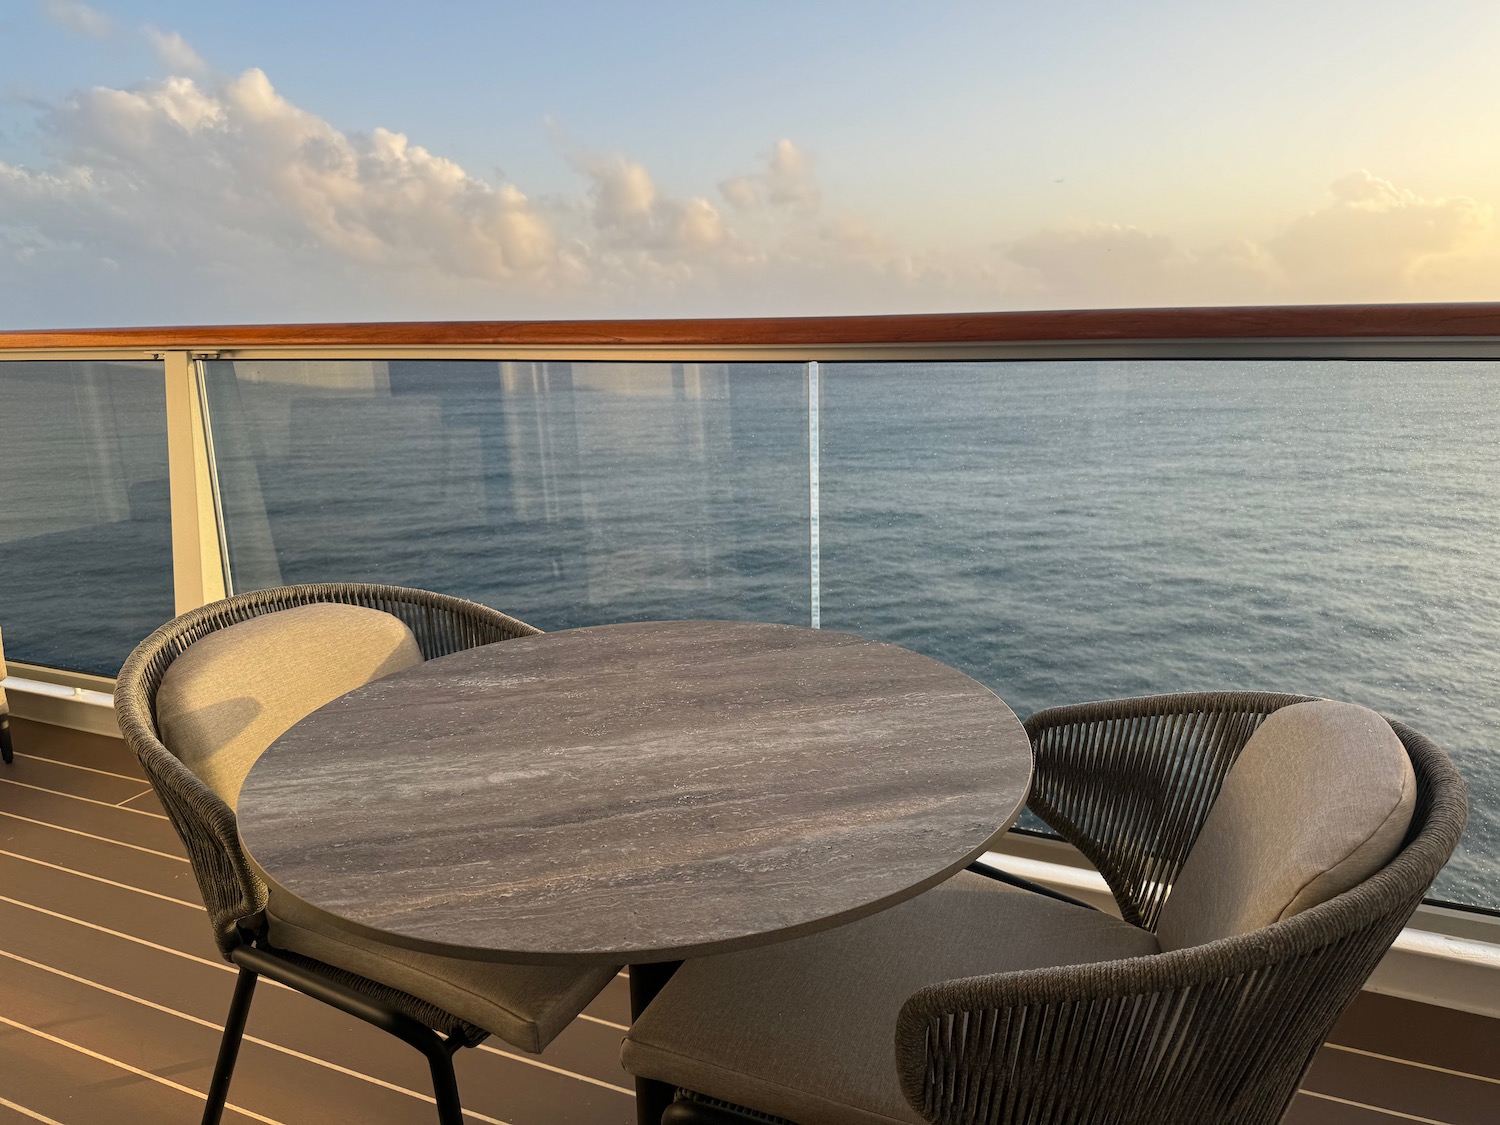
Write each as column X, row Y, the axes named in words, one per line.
column 1062, row 531
column 1069, row 532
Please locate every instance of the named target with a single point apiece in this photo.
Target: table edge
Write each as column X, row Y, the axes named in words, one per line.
column 580, row 958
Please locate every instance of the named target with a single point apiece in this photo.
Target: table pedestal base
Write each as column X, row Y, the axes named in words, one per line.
column 651, row 1097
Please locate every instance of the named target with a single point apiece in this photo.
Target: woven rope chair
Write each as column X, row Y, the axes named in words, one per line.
column 1221, row 1032
column 234, row 895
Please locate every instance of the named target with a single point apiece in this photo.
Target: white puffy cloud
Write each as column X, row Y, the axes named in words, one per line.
column 622, row 191
column 787, row 180
column 78, row 17
column 227, row 187
column 209, row 197
column 627, row 212
column 1376, row 240
column 175, row 52
column 175, row 163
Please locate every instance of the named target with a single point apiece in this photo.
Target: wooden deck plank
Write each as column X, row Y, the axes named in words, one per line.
column 156, row 873
column 130, row 825
column 77, row 1089
column 1389, row 1025
column 1308, row 1110
column 112, row 789
column 147, row 802
column 201, row 987
column 269, row 1083
column 285, row 1087
column 78, row 747
column 186, row 976
column 171, row 924
column 1407, row 1089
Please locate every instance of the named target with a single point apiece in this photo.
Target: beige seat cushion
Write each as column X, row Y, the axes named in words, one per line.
column 1319, row 800
column 806, row 1029
column 233, row 693
column 526, row 1005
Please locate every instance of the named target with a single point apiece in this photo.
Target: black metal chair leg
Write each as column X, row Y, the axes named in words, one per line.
column 229, row 1046
column 438, row 1051
column 5, row 749
column 444, row 1086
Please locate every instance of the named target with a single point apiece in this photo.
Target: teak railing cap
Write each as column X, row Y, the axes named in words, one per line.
column 1285, row 322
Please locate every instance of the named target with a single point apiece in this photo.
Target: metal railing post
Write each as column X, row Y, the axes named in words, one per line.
column 197, row 552
column 814, row 560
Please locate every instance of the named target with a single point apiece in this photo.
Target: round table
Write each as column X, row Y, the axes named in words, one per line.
column 635, row 794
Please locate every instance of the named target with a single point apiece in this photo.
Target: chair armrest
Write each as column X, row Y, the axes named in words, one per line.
column 232, row 891
column 1129, row 782
column 1220, row 1032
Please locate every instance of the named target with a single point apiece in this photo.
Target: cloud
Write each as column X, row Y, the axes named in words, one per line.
column 629, row 212
column 788, row 180
column 78, row 17
column 1376, row 239
column 622, row 191
column 174, row 164
column 1093, row 260
column 224, row 181
column 175, row 52
column 213, row 197
column 1373, row 242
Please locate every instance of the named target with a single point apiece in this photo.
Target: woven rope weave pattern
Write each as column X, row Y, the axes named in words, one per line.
column 233, row 894
column 1218, row 1033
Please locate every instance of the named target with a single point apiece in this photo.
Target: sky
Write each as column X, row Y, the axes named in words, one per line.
column 163, row 162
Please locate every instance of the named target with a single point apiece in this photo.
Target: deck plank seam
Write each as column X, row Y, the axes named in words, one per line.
column 200, row 1095
column 539, row 1064
column 605, row 1022
column 484, row 1047
column 1374, row 1108
column 221, row 966
column 124, row 936
column 95, row 836
column 249, row 1038
column 292, row 1052
column 102, row 879
column 76, row 797
column 31, row 1113
column 77, row 766
column 1411, row 1062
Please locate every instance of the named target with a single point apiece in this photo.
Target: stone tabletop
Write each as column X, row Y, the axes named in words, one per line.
column 635, row 793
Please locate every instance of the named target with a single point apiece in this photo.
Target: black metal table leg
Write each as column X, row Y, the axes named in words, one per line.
column 651, row 1097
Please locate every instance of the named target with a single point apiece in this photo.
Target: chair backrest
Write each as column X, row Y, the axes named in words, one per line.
column 248, row 671
column 226, row 698
column 1129, row 782
column 1317, row 801
column 1221, row 1032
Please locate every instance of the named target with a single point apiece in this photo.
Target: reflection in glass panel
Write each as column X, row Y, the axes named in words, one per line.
column 566, row 494
column 85, row 520
column 1067, row 531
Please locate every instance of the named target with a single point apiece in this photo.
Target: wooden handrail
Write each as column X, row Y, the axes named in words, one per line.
column 1290, row 322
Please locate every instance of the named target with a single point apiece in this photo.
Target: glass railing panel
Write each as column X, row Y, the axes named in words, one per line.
column 566, row 494
column 1082, row 530
column 85, row 516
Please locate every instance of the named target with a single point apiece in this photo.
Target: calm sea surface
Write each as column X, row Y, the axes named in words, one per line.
column 1061, row 531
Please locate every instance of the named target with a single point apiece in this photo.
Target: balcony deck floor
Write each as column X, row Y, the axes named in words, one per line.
column 112, row 995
